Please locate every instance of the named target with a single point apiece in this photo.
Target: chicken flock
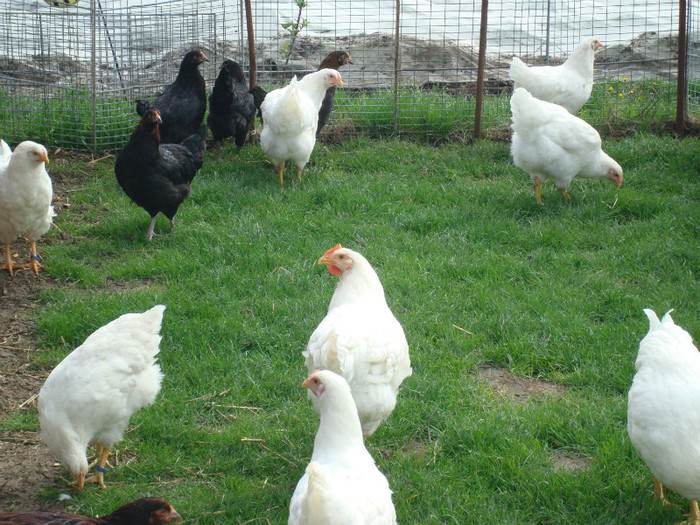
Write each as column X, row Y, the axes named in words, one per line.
column 358, row 356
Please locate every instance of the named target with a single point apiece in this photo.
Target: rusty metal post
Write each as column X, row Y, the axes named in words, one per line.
column 682, row 84
column 397, row 35
column 480, row 69
column 252, row 80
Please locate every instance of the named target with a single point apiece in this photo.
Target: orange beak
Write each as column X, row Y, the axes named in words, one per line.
column 44, row 157
column 306, row 383
column 597, row 44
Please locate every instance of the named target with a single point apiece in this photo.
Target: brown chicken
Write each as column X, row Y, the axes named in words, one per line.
column 144, row 511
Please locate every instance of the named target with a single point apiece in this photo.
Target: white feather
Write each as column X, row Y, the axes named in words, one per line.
column 341, row 485
column 568, row 85
column 91, row 394
column 361, row 340
column 663, row 421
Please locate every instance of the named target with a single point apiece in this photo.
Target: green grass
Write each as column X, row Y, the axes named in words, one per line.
column 553, row 292
column 66, row 120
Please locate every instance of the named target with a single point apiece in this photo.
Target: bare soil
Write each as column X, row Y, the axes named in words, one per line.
column 519, row 388
column 26, row 464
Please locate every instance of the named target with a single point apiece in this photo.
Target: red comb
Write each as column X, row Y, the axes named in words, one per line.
column 329, row 252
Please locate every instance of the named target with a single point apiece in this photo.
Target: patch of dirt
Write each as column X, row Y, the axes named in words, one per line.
column 563, row 460
column 27, row 464
column 520, row 388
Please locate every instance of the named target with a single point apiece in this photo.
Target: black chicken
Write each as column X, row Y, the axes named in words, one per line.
column 334, row 60
column 157, row 176
column 144, row 511
column 183, row 103
column 231, row 106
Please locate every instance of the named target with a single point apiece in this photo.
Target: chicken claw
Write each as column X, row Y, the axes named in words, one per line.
column 9, row 265
column 565, row 194
column 99, row 476
column 33, row 261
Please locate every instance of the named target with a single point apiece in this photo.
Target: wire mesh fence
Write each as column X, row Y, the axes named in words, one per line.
column 694, row 59
column 69, row 76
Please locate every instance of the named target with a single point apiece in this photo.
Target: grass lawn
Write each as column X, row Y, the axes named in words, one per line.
column 476, row 272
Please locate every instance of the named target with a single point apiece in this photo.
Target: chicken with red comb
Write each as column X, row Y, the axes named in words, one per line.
column 360, row 339
column 25, row 199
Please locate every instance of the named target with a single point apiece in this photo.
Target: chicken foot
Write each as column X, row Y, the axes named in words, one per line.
column 9, row 265
column 99, row 476
column 33, row 261
column 565, row 194
column 298, row 169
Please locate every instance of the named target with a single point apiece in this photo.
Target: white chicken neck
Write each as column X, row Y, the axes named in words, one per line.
column 359, row 284
column 339, row 432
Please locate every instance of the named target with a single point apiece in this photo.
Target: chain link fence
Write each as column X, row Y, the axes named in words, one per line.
column 69, row 76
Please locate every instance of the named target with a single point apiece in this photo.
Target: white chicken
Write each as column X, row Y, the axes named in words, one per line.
column 360, row 339
column 290, row 118
column 342, row 485
column 568, row 85
column 25, row 198
column 551, row 144
column 91, row 394
column 663, row 421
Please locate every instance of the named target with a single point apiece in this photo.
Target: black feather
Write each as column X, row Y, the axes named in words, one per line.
column 231, row 106
column 183, row 103
column 157, row 176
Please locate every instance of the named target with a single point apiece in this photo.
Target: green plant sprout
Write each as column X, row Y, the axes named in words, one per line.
column 293, row 28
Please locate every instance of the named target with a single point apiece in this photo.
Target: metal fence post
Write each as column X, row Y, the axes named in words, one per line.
column 480, row 69
column 682, row 86
column 93, row 67
column 397, row 35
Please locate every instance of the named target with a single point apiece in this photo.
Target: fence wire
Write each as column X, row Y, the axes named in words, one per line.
column 694, row 59
column 69, row 76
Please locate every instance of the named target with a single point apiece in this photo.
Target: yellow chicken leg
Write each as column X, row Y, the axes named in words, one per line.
column 298, row 173
column 99, row 476
column 9, row 265
column 33, row 261
column 659, row 492
column 694, row 517
column 280, row 170
column 565, row 194
column 538, row 188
